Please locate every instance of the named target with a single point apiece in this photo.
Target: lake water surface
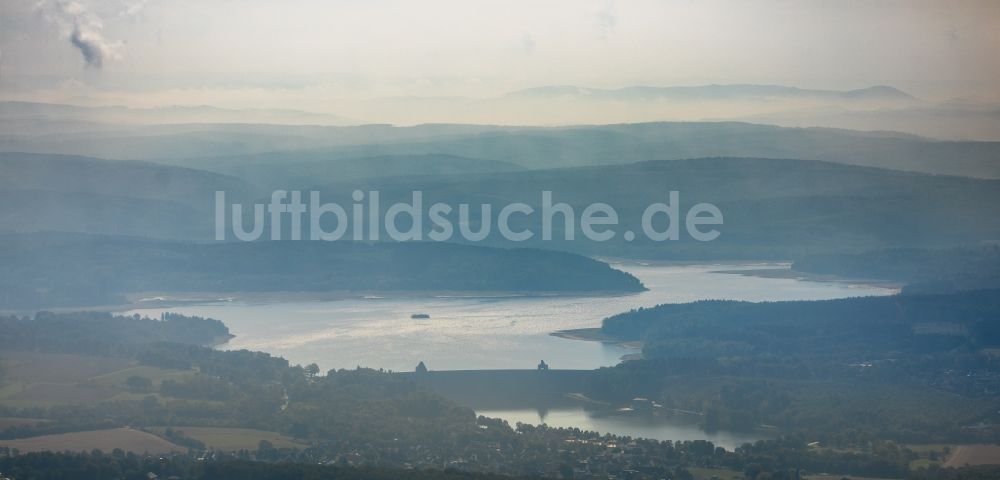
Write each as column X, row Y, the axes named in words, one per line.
column 467, row 332
column 675, row 428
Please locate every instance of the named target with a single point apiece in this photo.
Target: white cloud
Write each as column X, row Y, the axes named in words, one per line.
column 84, row 29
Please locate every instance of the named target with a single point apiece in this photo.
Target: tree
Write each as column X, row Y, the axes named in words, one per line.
column 566, row 471
column 312, row 370
column 752, row 470
column 137, row 383
column 266, row 451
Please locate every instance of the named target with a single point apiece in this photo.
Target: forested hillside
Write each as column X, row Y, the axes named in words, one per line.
column 61, row 270
column 922, row 270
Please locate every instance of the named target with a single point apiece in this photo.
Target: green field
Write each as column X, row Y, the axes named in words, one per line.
column 156, row 374
column 927, row 448
column 42, row 379
column 923, row 463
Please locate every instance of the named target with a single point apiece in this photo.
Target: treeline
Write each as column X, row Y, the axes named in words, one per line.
column 922, row 270
column 234, row 365
column 118, row 465
column 104, row 333
column 43, row 270
column 199, row 387
column 756, row 462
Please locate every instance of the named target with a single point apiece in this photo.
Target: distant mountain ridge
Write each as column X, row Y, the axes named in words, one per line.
column 306, row 169
column 715, row 92
column 27, row 111
column 134, row 179
column 876, row 107
column 218, row 147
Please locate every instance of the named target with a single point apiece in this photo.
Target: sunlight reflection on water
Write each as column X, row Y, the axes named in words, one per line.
column 483, row 332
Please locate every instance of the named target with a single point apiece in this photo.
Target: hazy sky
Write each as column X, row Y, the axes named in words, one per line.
column 298, row 53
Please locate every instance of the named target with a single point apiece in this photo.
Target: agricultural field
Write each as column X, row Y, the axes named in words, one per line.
column 974, row 455
column 156, row 374
column 232, row 439
column 105, row 440
column 34, row 367
column 34, row 379
column 45, row 379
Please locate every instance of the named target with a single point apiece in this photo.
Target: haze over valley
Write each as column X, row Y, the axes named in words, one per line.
column 630, row 240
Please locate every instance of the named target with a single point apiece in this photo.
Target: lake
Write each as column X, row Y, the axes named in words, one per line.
column 674, row 427
column 475, row 332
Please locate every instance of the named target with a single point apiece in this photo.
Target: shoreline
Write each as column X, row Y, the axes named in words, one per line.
column 781, row 269
column 148, row 300
column 595, row 335
column 155, row 300
column 790, row 274
column 775, row 269
column 647, row 262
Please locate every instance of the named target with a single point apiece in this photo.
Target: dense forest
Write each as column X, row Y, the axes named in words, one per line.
column 127, row 466
column 119, row 465
column 914, row 323
column 104, row 333
column 922, row 270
